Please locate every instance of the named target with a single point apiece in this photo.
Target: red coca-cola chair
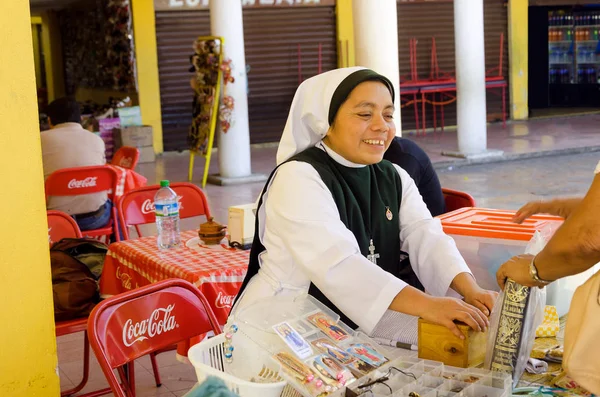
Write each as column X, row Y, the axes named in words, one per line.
column 144, row 320
column 136, row 207
column 126, row 157
column 86, row 180
column 61, row 225
column 455, row 199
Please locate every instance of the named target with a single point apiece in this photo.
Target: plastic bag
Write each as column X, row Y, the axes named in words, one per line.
column 517, row 313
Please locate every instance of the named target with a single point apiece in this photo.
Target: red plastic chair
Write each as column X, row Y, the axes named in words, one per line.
column 126, row 157
column 85, row 180
column 61, row 225
column 138, row 322
column 455, row 199
column 136, row 207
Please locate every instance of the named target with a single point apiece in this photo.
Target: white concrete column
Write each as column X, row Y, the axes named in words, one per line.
column 234, row 146
column 376, row 42
column 470, row 76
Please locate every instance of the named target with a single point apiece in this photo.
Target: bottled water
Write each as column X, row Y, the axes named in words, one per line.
column 167, row 217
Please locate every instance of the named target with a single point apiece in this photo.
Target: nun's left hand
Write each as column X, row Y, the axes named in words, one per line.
column 481, row 299
column 466, row 285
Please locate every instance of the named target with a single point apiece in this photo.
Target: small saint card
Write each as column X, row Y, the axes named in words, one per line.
column 332, row 372
column 327, row 325
column 293, row 339
column 367, row 353
column 326, row 345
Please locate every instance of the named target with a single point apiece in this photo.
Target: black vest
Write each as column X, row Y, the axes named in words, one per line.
column 364, row 197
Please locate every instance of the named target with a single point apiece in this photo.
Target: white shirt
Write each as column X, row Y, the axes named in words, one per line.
column 305, row 241
column 69, row 145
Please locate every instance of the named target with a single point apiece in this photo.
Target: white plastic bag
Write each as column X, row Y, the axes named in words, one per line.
column 517, row 313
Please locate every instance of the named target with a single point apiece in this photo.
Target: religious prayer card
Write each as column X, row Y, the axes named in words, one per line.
column 367, row 353
column 327, row 325
column 293, row 339
column 328, row 370
column 328, row 346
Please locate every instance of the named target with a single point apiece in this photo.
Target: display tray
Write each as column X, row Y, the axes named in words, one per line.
column 303, row 342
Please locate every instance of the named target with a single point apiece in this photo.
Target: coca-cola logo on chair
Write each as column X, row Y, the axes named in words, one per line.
column 90, row 181
column 160, row 321
column 148, row 207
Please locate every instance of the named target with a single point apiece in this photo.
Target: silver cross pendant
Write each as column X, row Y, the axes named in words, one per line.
column 372, row 255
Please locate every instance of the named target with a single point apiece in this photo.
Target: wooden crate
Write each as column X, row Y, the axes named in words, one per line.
column 438, row 343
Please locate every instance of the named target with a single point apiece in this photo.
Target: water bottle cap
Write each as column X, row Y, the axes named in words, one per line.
column 164, row 183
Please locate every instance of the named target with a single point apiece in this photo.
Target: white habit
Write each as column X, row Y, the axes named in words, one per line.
column 305, row 240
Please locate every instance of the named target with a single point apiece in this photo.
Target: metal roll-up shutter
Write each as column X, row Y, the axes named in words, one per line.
column 272, row 36
column 424, row 20
column 175, row 35
column 495, row 20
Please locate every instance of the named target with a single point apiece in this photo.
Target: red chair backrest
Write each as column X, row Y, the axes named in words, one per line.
column 136, row 207
column 82, row 180
column 455, row 199
column 144, row 320
column 61, row 225
column 126, row 157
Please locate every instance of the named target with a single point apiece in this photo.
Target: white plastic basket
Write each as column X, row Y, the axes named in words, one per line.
column 208, row 357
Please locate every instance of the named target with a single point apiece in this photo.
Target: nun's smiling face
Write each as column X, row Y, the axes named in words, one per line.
column 363, row 127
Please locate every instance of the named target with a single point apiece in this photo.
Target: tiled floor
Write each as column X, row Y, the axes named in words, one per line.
column 498, row 185
column 177, row 378
column 521, row 138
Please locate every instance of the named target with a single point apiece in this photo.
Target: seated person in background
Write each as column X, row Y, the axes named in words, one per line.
column 65, row 145
column 333, row 218
column 412, row 159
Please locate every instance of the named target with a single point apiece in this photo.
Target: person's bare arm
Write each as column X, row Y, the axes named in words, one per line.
column 575, row 246
column 559, row 207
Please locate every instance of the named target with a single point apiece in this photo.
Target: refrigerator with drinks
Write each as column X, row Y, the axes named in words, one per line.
column 573, row 57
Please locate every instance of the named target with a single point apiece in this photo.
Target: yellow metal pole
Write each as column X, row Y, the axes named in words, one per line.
column 213, row 118
column 518, row 47
column 215, row 113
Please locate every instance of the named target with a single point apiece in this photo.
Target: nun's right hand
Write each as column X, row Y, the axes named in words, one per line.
column 444, row 311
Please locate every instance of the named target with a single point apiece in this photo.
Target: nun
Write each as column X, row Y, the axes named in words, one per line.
column 334, row 216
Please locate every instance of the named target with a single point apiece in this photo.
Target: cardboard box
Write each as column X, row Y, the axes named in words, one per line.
column 147, row 154
column 438, row 343
column 136, row 136
column 240, row 224
column 130, row 116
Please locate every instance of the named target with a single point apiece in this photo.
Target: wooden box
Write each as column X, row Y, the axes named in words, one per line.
column 438, row 343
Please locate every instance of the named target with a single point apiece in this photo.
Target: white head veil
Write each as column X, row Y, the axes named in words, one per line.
column 307, row 122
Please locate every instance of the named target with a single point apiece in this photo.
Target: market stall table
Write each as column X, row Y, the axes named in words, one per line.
column 218, row 271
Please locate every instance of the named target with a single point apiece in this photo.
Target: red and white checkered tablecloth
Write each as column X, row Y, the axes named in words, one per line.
column 218, row 271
